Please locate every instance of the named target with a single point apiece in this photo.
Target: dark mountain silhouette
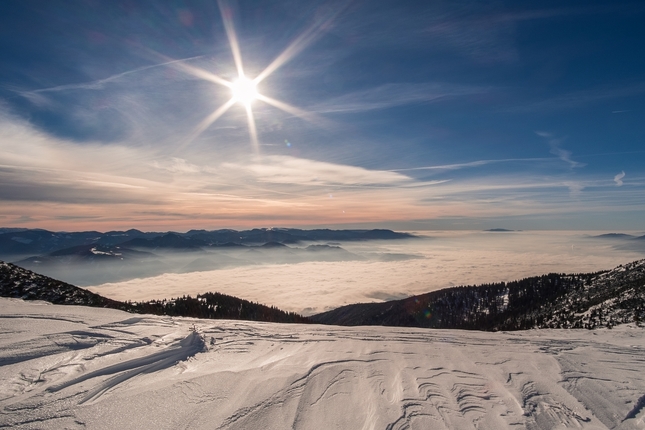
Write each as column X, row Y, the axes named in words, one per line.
column 292, row 235
column 18, row 244
column 232, row 245
column 614, row 236
column 625, row 242
column 550, row 301
column 36, row 241
column 274, row 245
column 172, row 241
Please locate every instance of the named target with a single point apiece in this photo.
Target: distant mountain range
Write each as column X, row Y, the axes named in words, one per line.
column 91, row 258
column 550, row 301
column 136, row 258
column 29, row 242
column 614, row 236
column 17, row 282
column 500, row 230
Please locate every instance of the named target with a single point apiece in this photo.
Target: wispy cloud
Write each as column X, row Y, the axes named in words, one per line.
column 582, row 98
column 100, row 83
column 52, row 179
column 61, row 184
column 498, row 17
column 561, row 153
column 178, row 165
column 564, row 155
column 470, row 164
column 291, row 170
column 152, row 103
column 618, row 179
column 392, row 95
column 486, row 33
column 575, row 188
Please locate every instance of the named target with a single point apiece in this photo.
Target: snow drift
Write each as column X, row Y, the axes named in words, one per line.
column 78, row 367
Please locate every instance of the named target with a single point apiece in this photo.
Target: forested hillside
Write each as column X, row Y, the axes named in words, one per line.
column 24, row 284
column 549, row 301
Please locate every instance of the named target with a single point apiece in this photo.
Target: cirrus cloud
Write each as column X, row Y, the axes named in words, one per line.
column 618, row 179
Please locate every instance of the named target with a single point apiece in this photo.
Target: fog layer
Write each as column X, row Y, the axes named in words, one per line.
column 446, row 259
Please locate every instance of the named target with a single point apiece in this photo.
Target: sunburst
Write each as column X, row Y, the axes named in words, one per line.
column 244, row 90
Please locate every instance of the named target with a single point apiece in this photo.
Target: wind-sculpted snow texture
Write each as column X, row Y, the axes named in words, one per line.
column 78, row 367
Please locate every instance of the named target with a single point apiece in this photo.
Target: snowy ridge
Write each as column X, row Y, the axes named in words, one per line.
column 602, row 300
column 610, row 298
column 154, row 372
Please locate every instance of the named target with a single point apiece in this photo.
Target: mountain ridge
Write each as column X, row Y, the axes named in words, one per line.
column 16, row 282
column 22, row 243
column 93, row 258
column 587, row 300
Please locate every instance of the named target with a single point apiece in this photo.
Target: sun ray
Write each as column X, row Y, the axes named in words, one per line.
column 191, row 70
column 201, row 73
column 206, row 123
column 295, row 47
column 307, row 116
column 252, row 130
column 227, row 17
column 244, row 89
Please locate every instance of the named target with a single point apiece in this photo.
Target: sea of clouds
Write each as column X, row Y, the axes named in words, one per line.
column 443, row 259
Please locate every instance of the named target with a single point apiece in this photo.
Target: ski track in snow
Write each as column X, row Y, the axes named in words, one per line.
column 76, row 367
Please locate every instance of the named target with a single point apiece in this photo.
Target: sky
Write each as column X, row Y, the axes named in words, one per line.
column 397, row 114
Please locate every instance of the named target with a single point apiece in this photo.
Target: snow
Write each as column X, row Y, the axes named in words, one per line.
column 78, row 367
column 22, row 240
column 97, row 252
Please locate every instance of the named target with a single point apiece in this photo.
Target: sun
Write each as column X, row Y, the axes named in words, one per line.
column 244, row 91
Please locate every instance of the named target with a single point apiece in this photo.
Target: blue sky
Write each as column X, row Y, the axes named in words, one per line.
column 408, row 115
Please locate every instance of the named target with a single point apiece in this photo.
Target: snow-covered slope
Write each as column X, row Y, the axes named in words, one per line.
column 78, row 367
